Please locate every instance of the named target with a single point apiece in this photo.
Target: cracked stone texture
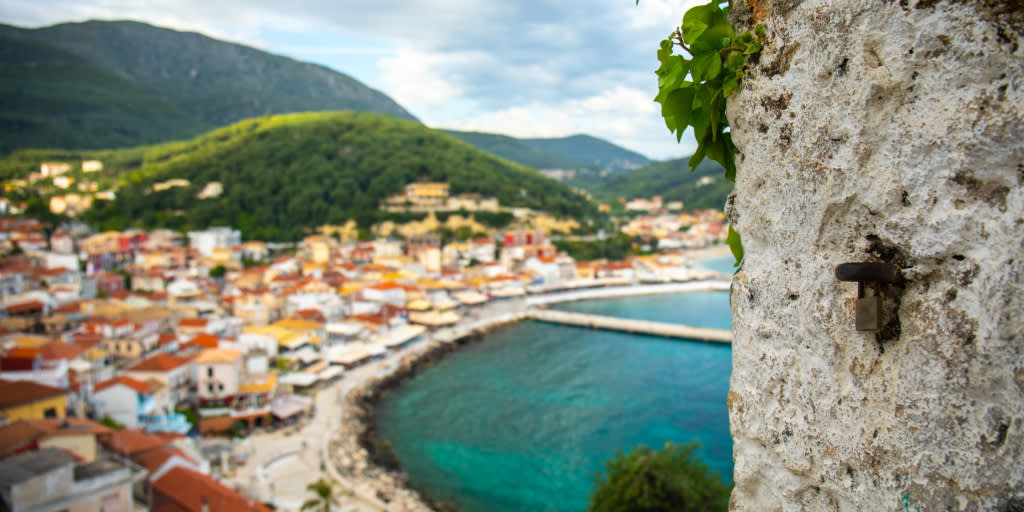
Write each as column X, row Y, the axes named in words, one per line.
column 880, row 131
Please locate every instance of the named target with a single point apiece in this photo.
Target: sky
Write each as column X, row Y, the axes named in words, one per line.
column 526, row 68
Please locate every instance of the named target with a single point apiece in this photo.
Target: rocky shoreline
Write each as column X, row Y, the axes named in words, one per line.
column 354, row 443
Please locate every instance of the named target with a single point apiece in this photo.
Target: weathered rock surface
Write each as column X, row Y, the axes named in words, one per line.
column 887, row 131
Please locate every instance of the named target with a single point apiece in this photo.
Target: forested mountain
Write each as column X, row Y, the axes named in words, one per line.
column 672, row 180
column 50, row 97
column 516, row 150
column 284, row 174
column 591, row 151
column 102, row 84
column 574, row 152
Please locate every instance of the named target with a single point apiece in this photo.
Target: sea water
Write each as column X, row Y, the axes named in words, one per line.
column 524, row 419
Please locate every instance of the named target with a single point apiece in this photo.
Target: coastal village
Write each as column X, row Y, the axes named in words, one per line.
column 164, row 370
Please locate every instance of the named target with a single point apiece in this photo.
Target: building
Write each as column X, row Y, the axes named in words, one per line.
column 50, row 479
column 28, row 400
column 219, row 237
column 75, row 435
column 174, row 372
column 427, row 194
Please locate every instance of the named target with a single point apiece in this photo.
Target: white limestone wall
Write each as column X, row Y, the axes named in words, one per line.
column 888, row 131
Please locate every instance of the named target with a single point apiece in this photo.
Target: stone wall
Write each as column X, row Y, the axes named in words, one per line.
column 887, row 131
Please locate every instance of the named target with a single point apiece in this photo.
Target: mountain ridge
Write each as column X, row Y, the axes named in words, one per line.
column 215, row 82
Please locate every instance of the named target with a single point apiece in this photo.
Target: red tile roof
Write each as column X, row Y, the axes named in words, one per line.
column 193, row 322
column 24, row 307
column 205, row 340
column 58, row 350
column 131, row 441
column 165, row 338
column 158, row 363
column 14, row 393
column 153, row 459
column 25, row 434
column 137, row 385
column 189, row 489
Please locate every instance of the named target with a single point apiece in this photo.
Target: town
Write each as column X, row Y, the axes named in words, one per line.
column 130, row 359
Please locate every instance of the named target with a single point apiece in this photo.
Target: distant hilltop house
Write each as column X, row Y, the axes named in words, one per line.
column 426, row 194
column 48, row 169
column 92, row 165
column 164, row 185
column 211, row 190
column 559, row 174
column 435, row 196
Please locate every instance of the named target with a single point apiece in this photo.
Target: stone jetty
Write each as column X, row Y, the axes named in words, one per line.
column 665, row 330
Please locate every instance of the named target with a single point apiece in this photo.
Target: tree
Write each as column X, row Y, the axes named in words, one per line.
column 218, row 271
column 672, row 479
column 324, row 496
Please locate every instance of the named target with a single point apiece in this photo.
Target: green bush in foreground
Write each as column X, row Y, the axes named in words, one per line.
column 672, row 479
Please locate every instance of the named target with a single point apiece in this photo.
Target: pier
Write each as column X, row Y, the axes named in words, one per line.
column 633, row 326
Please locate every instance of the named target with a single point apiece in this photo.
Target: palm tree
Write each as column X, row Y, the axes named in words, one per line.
column 324, row 496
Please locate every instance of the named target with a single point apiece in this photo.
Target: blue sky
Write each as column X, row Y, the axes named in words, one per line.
column 527, row 68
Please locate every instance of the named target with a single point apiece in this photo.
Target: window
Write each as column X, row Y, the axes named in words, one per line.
column 209, row 371
column 220, row 387
column 50, row 413
column 209, row 387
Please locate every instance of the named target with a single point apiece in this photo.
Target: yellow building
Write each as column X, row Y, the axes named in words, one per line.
column 427, row 194
column 28, row 400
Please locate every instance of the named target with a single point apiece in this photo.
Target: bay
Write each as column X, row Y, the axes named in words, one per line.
column 524, row 419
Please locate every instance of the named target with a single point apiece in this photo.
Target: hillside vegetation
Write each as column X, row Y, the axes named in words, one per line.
column 672, row 180
column 284, row 174
column 591, row 151
column 515, row 150
column 120, row 83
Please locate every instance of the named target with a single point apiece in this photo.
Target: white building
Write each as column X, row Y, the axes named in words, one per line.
column 214, row 238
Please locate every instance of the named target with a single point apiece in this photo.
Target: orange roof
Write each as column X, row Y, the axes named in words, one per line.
column 24, row 307
column 86, row 340
column 24, row 352
column 205, row 340
column 137, row 385
column 58, row 350
column 219, row 355
column 131, row 441
column 189, row 490
column 153, row 459
column 193, row 322
column 14, row 393
column 387, row 285
column 158, row 363
column 165, row 338
column 22, row 434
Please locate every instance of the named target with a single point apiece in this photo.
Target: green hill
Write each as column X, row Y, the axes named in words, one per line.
column 124, row 71
column 591, row 151
column 672, row 180
column 516, row 150
column 284, row 174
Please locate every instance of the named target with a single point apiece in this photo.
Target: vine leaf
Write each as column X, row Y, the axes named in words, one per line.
column 735, row 245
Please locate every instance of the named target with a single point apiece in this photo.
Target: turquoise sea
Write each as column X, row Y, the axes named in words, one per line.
column 523, row 419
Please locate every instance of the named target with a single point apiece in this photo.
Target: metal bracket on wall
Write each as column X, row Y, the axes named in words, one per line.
column 869, row 308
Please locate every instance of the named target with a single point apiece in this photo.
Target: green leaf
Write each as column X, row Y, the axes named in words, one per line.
column 753, row 47
column 697, row 157
column 692, row 31
column 745, row 38
column 735, row 245
column 678, row 106
column 705, row 66
column 714, row 38
column 730, row 85
column 760, row 31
